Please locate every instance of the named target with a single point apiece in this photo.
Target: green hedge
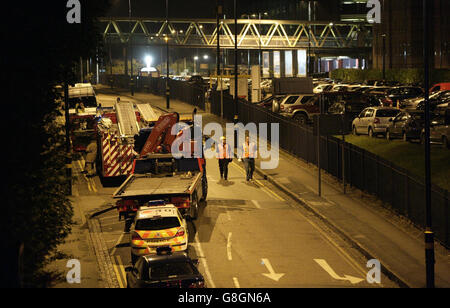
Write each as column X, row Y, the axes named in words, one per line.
column 400, row 75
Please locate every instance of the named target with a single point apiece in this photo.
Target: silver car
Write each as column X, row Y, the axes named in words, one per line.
column 373, row 121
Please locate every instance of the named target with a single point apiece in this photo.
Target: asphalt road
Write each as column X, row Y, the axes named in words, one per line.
column 247, row 236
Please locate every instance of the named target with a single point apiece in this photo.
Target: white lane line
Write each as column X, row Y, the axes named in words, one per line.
column 236, row 283
column 201, row 256
column 256, row 204
column 229, row 253
column 119, row 241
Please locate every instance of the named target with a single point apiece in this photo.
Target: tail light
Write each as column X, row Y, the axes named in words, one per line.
column 377, row 121
column 180, row 233
column 282, row 107
column 197, row 285
column 387, row 101
column 136, row 237
column 181, row 202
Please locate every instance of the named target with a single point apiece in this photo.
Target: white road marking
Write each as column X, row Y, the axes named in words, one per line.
column 236, row 283
column 229, row 252
column 332, row 273
column 201, row 256
column 117, row 244
column 272, row 275
column 256, row 204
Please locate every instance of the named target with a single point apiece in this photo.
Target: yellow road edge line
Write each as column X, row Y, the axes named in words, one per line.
column 119, row 279
column 122, row 269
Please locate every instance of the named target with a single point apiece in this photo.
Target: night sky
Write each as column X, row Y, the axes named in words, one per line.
column 157, row 8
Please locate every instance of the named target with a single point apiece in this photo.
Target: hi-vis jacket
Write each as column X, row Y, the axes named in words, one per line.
column 249, row 150
column 224, row 151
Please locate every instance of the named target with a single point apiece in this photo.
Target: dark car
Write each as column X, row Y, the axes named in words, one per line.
column 441, row 98
column 395, row 95
column 349, row 104
column 406, row 125
column 165, row 271
column 439, row 133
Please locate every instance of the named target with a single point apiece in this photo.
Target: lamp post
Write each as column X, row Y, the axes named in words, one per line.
column 167, row 60
column 384, row 56
column 236, row 73
column 429, row 235
column 130, row 42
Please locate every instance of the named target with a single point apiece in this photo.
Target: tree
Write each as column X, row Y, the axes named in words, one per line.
column 45, row 50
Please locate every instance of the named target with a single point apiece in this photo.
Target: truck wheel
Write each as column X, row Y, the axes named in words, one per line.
column 194, row 207
column 301, row 119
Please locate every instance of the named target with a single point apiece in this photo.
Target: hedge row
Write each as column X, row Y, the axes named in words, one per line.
column 400, row 75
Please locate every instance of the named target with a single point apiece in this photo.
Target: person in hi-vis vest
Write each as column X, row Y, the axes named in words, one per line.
column 225, row 157
column 249, row 154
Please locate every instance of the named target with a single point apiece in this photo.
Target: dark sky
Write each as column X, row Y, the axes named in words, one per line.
column 157, row 8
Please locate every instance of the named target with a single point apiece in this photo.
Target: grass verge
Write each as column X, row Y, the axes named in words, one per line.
column 410, row 156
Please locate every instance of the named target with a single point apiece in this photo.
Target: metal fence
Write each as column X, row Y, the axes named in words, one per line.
column 404, row 192
column 186, row 92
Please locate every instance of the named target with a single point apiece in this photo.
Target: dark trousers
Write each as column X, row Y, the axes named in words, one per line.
column 249, row 167
column 223, row 166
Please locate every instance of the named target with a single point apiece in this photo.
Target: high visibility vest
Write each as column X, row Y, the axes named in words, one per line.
column 223, row 151
column 249, row 150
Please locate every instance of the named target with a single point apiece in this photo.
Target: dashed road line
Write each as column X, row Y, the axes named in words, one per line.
column 229, row 252
column 236, row 283
column 256, row 204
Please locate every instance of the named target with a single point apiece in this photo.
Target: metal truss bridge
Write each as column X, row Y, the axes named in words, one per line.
column 252, row 33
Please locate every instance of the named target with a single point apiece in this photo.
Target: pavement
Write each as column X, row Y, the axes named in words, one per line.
column 359, row 219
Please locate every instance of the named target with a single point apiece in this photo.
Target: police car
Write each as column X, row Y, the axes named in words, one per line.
column 158, row 225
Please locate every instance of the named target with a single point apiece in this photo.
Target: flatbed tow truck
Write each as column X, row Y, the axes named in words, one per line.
column 157, row 175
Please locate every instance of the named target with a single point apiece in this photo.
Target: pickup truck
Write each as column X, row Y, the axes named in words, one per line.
column 181, row 182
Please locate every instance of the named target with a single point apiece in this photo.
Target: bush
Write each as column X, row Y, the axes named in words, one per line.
column 399, row 75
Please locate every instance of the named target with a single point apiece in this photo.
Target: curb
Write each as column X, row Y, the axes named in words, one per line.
column 104, row 262
column 366, row 252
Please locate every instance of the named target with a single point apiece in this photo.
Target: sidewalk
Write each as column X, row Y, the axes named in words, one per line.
column 359, row 218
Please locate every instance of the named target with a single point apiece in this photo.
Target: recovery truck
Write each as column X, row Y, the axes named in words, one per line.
column 158, row 176
column 82, row 112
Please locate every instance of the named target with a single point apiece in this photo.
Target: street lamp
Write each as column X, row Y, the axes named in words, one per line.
column 195, row 65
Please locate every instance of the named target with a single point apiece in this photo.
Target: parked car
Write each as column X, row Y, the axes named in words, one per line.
column 373, row 121
column 322, row 88
column 440, row 99
column 407, row 125
column 440, row 87
column 439, row 133
column 347, row 103
column 158, row 226
column 293, row 100
column 165, row 271
column 395, row 95
column 413, row 103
